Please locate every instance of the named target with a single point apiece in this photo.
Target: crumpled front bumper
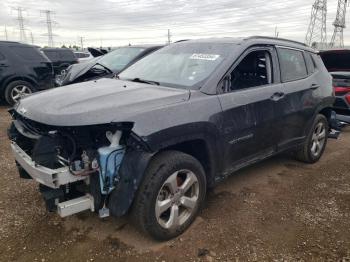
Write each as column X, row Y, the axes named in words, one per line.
column 53, row 178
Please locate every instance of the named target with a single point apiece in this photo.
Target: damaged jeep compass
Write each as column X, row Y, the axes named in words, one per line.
column 173, row 124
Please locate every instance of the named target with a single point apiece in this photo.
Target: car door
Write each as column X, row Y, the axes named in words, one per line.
column 298, row 106
column 249, row 94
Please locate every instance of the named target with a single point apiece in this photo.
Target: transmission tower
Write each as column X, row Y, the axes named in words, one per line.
column 317, row 31
column 339, row 25
column 21, row 23
column 49, row 23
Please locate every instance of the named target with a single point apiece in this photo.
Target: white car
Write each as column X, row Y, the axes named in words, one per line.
column 83, row 56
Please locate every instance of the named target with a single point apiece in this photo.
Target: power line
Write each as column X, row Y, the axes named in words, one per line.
column 339, row 25
column 317, row 30
column 49, row 26
column 21, row 23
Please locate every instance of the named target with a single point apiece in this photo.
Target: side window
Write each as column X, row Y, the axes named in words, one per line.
column 309, row 63
column 292, row 64
column 28, row 53
column 254, row 70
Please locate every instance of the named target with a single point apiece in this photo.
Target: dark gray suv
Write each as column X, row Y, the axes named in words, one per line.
column 174, row 124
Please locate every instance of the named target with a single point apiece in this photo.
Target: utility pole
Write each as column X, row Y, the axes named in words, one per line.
column 81, row 42
column 32, row 37
column 317, row 30
column 5, row 32
column 20, row 19
column 169, row 37
column 49, row 26
column 339, row 25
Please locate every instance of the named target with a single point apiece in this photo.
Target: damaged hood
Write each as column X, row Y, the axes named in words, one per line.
column 97, row 102
column 78, row 70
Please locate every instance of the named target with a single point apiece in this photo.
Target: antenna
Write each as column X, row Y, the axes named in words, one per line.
column 339, row 25
column 317, row 30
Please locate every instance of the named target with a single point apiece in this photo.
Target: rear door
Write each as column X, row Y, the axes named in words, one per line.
column 249, row 94
column 300, row 88
column 36, row 65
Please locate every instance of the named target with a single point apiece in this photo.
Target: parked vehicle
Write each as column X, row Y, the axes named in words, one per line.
column 83, row 56
column 337, row 63
column 174, row 124
column 61, row 58
column 107, row 65
column 23, row 70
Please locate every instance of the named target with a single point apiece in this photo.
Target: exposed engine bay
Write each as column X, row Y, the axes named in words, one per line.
column 92, row 154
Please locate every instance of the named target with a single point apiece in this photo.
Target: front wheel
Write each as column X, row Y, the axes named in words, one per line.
column 170, row 196
column 316, row 141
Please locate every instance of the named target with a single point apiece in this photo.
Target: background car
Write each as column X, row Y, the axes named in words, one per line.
column 338, row 64
column 23, row 70
column 83, row 56
column 61, row 58
column 107, row 65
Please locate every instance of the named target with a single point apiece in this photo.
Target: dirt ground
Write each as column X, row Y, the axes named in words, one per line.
column 278, row 210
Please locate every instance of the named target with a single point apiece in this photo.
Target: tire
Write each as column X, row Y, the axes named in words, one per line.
column 16, row 90
column 157, row 186
column 316, row 141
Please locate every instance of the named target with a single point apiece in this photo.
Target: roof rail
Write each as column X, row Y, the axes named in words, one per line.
column 276, row 38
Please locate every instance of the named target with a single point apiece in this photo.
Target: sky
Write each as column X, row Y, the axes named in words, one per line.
column 120, row 22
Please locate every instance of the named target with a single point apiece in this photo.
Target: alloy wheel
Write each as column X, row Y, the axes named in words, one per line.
column 19, row 92
column 177, row 199
column 318, row 139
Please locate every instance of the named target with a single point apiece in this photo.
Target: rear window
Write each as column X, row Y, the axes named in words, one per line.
column 52, row 55
column 66, row 54
column 292, row 64
column 338, row 60
column 28, row 53
column 81, row 55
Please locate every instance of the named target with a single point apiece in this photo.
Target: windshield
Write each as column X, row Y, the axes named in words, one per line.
column 119, row 58
column 183, row 65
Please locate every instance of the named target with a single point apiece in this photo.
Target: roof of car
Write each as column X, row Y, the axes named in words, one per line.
column 254, row 40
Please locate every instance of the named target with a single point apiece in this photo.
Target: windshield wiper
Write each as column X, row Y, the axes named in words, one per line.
column 105, row 67
column 139, row 80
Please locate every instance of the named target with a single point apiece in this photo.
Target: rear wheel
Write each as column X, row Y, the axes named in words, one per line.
column 316, row 141
column 170, row 196
column 17, row 90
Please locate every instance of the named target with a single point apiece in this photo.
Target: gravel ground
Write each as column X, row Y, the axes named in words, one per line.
column 279, row 210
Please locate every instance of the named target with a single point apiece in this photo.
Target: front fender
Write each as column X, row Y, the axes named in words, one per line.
column 131, row 174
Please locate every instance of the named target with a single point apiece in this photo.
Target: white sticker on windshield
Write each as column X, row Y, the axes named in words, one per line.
column 210, row 57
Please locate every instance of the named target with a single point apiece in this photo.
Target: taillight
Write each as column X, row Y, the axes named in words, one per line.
column 347, row 97
column 341, row 90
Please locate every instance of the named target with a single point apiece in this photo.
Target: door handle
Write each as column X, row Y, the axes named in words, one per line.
column 3, row 65
column 314, row 86
column 277, row 96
